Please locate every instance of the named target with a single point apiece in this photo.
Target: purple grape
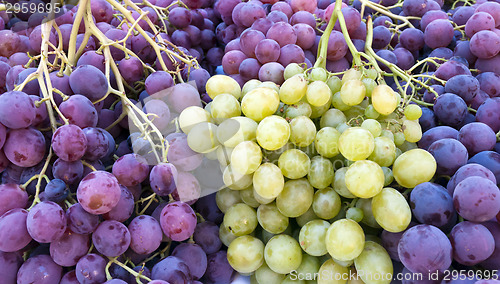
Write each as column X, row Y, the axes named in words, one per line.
column 381, row 37
column 388, row 56
column 56, row 190
column 97, row 143
column 90, row 269
column 218, row 268
column 337, row 46
column 161, row 111
column 305, row 35
column 163, row 179
column 232, row 60
column 272, row 71
column 9, row 43
column 171, row 269
column 208, row 208
column 415, row 7
column 98, row 192
column 262, row 24
column 39, row 269
column 178, row 221
column 69, row 172
column 69, row 278
column 13, row 231
column 41, row 114
column 465, row 86
column 476, row 199
column 145, row 234
column 89, row 81
column 462, row 14
column 206, row 235
column 24, row 147
column 131, row 169
column 16, row 110
column 493, row 262
column 144, row 271
column 477, row 137
column 117, row 35
column 479, row 21
column 463, row 50
column 102, row 11
column 490, row 160
column 180, row 17
column 183, row 95
column 489, row 83
column 430, row 16
column 12, row 196
column 282, row 33
column 431, row 204
column 115, row 281
column 249, row 68
column 435, row 134
column 450, row 69
column 68, row 249
column 123, row 209
column 468, row 171
column 249, row 40
column 142, row 48
column 449, row 154
column 277, row 16
column 472, row 243
column 69, row 142
column 291, row 53
column 62, row 84
column 131, row 69
column 111, row 238
column 181, row 38
column 194, row 257
column 10, row 262
column 267, row 50
column 412, row 39
column 80, row 221
column 404, row 58
column 450, row 109
column 438, row 33
column 46, row 222
column 485, row 44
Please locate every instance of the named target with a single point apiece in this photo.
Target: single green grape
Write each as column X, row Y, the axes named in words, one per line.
column 291, row 70
column 355, row 113
column 222, row 84
column 312, row 237
column 388, row 176
column 354, row 214
column 271, row 219
column 245, row 254
column 273, row 132
column 225, row 106
column 191, row 116
column 338, row 103
column 318, row 74
column 399, row 138
column 321, row 172
column 240, row 219
column 248, row 198
column 250, row 85
column 271, row 85
column 233, row 179
column 332, row 118
column 356, row 143
column 268, row 181
column 414, row 167
column 391, row 210
column 345, row 240
column 306, row 217
column 370, row 84
column 235, row 130
column 298, row 109
column 384, row 99
column 294, row 164
column 293, row 89
column 407, row 146
column 225, row 198
column 326, row 203
column 370, row 112
column 375, row 263
column 366, row 206
column 295, row 198
column 342, row 127
column 384, row 153
column 387, row 133
column 246, row 157
column 264, row 275
column 364, row 179
column 331, row 272
column 339, row 183
column 373, row 126
column 371, row 73
column 334, row 83
column 351, row 74
column 412, row 130
column 327, row 142
column 318, row 93
column 260, row 103
column 352, row 92
column 303, row 131
column 202, row 138
column 283, row 254
column 413, row 112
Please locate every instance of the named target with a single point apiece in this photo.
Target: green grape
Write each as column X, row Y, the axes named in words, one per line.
column 303, row 131
column 222, row 84
column 202, row 137
column 291, row 70
column 225, row 198
column 296, row 198
column 355, row 113
column 319, row 111
column 399, row 138
column 240, row 219
column 250, row 85
column 342, row 127
column 370, row 112
column 298, row 109
column 375, row 263
column 339, row 183
column 191, row 116
column 371, row 73
column 412, row 130
column 338, row 103
column 271, row 85
column 233, row 179
column 384, row 99
column 398, row 153
column 407, row 146
column 321, row 172
column 309, row 266
column 366, row 206
column 225, row 106
column 385, row 133
column 413, row 112
column 388, row 176
column 268, row 181
column 306, row 217
column 224, row 155
column 225, row 235
column 248, row 198
column 260, row 103
column 289, row 279
column 273, row 156
column 273, row 132
column 332, row 273
column 294, row 164
column 352, row 92
column 364, row 179
column 334, row 83
column 318, row 93
column 235, row 130
column 354, row 214
column 245, row 254
column 356, row 143
column 332, row 118
column 265, row 236
column 414, row 167
column 312, row 237
column 373, row 126
column 370, row 84
column 384, row 153
column 345, row 239
column 283, row 254
column 327, row 142
column 293, row 89
column 271, row 219
column 246, row 157
column 326, row 203
column 391, row 210
column 318, row 74
column 351, row 74
column 364, row 104
column 264, row 275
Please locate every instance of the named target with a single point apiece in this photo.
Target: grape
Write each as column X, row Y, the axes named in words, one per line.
column 218, row 268
column 283, row 254
column 271, row 219
column 17, row 110
column 293, row 89
column 158, row 81
column 267, row 50
column 10, row 43
column 404, row 58
column 449, row 154
column 414, row 167
column 476, row 199
column 438, row 33
column 178, row 221
column 98, row 192
column 69, row 142
column 69, row 278
column 466, row 237
column 337, row 46
column 67, row 250
column 312, row 237
column 273, row 132
column 39, row 269
column 69, row 172
column 295, row 198
column 89, row 81
column 387, row 204
column 231, row 61
column 431, row 204
column 10, row 263
column 384, row 152
column 224, row 106
column 246, row 157
column 130, row 169
column 488, row 113
column 282, row 33
column 181, row 155
column 159, row 113
column 381, row 37
column 272, row 71
column 191, row 116
column 374, row 260
column 468, row 171
column 356, row 143
column 384, row 99
column 163, row 179
column 12, row 196
column 90, row 269
column 477, row 22
column 345, row 240
column 171, row 269
column 268, row 181
column 413, row 112
column 434, row 134
column 484, row 44
column 123, row 209
column 14, row 233
column 303, row 131
column 477, row 137
column 489, row 83
column 294, row 163
column 46, row 222
column 249, row 68
column 412, row 39
column 24, row 147
column 240, row 219
column 206, row 235
column 331, row 270
column 264, row 274
column 145, row 234
column 291, row 53
column 98, row 143
column 111, row 238
column 362, row 173
column 320, row 172
column 80, row 221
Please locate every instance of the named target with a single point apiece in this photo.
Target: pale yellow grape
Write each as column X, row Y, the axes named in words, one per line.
column 268, row 181
column 354, row 214
column 235, row 130
column 191, row 116
column 271, row 85
column 371, row 73
column 375, row 264
column 321, row 172
column 298, row 109
column 302, row 131
column 352, row 92
column 236, row 180
column 345, row 240
column 326, row 203
column 260, row 103
column 293, row 89
column 224, row 155
column 271, row 219
column 225, row 106
column 332, row 273
column 273, row 156
column 308, row 268
column 312, row 237
column 391, row 210
column 294, row 164
column 384, row 153
column 225, row 235
column 246, row 254
column 413, row 112
column 283, row 254
column 273, row 132
column 264, row 275
column 240, row 219
column 339, row 183
column 384, row 99
column 248, row 198
column 412, row 130
column 246, row 157
column 318, row 74
column 250, row 85
column 334, row 83
column 327, row 142
column 414, row 167
column 318, row 93
column 338, row 103
column 399, row 138
column 202, row 138
column 355, row 113
column 364, row 179
column 351, row 74
column 388, row 176
column 222, row 84
column 291, row 70
column 356, row 143
column 370, row 84
column 225, row 198
column 295, row 198
column 261, row 199
column 373, row 126
column 388, row 134
column 342, row 127
column 370, row 112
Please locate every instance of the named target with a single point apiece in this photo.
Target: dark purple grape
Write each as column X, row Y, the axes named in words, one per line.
column 178, row 221
column 171, row 269
column 56, row 190
column 431, row 204
column 163, row 179
column 415, row 7
column 158, row 81
column 467, row 171
column 80, row 221
column 180, row 17
column 267, row 51
column 249, row 68
column 427, row 120
column 412, row 39
column 194, row 257
column 131, row 69
column 490, row 83
column 98, row 144
column 472, row 243
column 479, row 21
column 430, row 16
column 206, row 235
column 390, row 241
column 477, row 137
column 435, row 134
column 449, row 154
column 232, row 60
column 208, row 208
column 24, row 147
column 69, row 278
column 489, row 113
column 13, row 231
column 68, row 249
column 381, row 37
column 490, row 160
column 117, row 35
column 16, row 110
column 90, row 269
column 485, row 44
column 39, row 269
column 69, row 172
column 438, row 33
column 98, row 192
column 465, row 86
column 450, row 109
column 46, row 222
column 476, row 199
column 218, row 268
column 404, row 58
column 450, row 69
column 89, row 81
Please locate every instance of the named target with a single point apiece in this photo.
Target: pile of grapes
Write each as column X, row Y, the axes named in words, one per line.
column 229, row 141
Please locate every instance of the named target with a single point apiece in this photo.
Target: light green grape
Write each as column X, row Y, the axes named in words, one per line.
column 271, row 85
column 399, row 138
column 298, row 109
column 296, row 198
column 225, row 106
column 191, row 116
column 345, row 239
column 202, row 137
column 338, row 103
column 354, row 214
column 224, row 155
column 292, row 280
column 352, row 92
column 412, row 130
column 370, row 112
column 303, row 131
column 407, row 146
column 225, row 198
column 249, row 85
column 306, row 217
column 293, row 89
column 370, row 84
column 388, row 176
column 268, row 181
column 240, row 219
column 371, row 73
column 235, row 130
column 391, row 210
column 246, row 157
column 351, row 74
column 384, row 153
column 373, row 126
column 234, row 179
column 312, row 237
column 273, row 132
column 318, row 93
column 294, row 164
column 222, row 84
column 366, row 206
column 327, row 142
column 248, row 198
column 308, row 267
column 319, row 111
column 413, row 112
column 318, row 74
column 321, row 172
column 245, row 254
column 388, row 134
column 339, row 183
column 225, row 235
column 342, row 127
column 260, row 103
column 291, row 70
column 414, row 167
column 332, row 118
column 384, row 99
column 356, row 143
column 264, row 275
column 331, row 272
column 398, row 153
column 326, row 203
column 364, row 179
column 283, row 254
column 375, row 263
column 271, row 219
column 334, row 83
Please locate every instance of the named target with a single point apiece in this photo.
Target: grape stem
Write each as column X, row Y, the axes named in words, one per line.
column 129, row 270
column 323, row 42
column 36, row 200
